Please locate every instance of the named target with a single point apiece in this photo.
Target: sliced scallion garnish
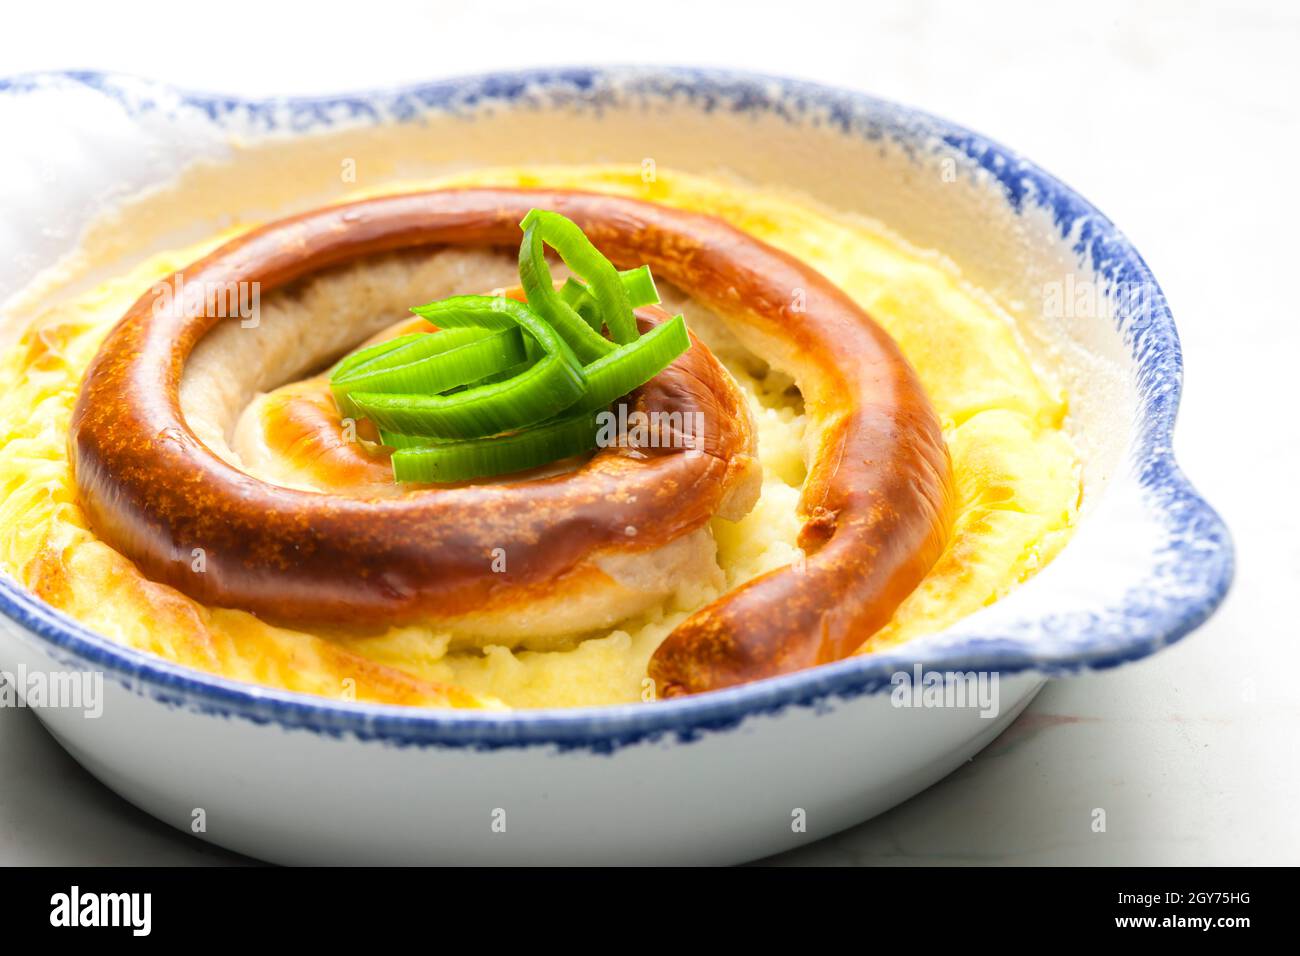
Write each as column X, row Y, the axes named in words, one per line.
column 498, row 312
column 545, row 389
column 364, row 356
column 576, row 297
column 499, row 455
column 634, row 364
column 535, row 276
column 398, row 440
column 584, row 260
column 640, row 286
column 505, row 385
column 434, row 363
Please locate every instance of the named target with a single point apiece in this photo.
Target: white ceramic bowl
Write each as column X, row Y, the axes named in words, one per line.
column 722, row 777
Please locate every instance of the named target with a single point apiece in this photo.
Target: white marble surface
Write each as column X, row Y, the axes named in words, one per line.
column 1178, row 120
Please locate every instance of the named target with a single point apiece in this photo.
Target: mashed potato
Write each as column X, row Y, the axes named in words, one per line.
column 1016, row 472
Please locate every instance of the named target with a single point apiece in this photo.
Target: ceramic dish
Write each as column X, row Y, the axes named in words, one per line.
column 725, row 776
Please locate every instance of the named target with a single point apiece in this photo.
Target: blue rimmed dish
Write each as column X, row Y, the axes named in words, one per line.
column 717, row 778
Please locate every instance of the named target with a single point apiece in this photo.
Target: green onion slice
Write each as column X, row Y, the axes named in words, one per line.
column 634, row 364
column 398, row 351
column 535, row 276
column 639, row 284
column 502, row 454
column 429, row 365
column 498, row 312
column 576, row 297
column 508, row 373
column 504, row 385
column 397, row 440
column 364, row 356
column 583, row 259
column 640, row 287
column 545, row 389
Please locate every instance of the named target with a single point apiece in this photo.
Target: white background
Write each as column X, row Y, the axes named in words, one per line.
column 1179, row 120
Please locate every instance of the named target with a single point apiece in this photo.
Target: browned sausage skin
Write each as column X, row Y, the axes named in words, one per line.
column 876, row 504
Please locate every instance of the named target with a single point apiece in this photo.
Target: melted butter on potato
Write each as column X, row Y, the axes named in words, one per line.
column 1016, row 472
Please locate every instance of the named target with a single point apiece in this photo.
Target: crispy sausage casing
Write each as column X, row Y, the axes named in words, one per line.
column 875, row 506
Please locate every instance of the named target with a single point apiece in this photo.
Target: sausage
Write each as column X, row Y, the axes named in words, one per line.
column 876, row 506
column 295, row 436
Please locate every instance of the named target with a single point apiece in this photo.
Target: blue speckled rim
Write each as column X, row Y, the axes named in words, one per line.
column 1188, row 580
